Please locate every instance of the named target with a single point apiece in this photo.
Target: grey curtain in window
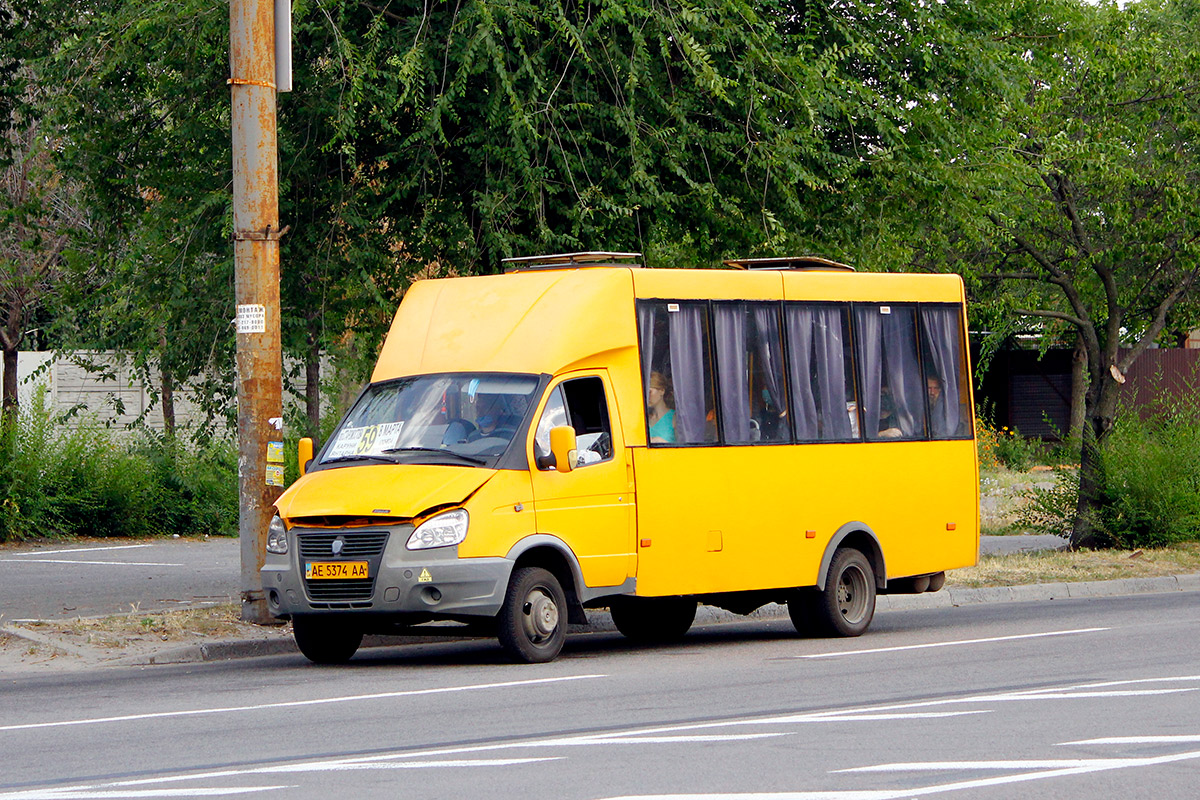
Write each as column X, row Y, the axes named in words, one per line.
column 646, row 314
column 770, row 353
column 818, row 373
column 904, row 371
column 869, row 341
column 943, row 333
column 688, row 370
column 887, row 351
column 732, row 370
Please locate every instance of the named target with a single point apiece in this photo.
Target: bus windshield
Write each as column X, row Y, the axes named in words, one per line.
column 466, row 418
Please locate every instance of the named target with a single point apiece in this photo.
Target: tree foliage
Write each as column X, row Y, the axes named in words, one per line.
column 1080, row 193
column 1044, row 149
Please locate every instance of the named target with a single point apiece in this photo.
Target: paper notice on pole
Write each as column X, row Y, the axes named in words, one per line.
column 251, row 318
column 274, row 475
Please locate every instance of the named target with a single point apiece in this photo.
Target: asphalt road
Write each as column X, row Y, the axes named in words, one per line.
column 84, row 580
column 1073, row 699
column 109, row 577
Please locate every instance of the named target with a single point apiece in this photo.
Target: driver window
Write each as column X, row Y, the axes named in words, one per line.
column 579, row 403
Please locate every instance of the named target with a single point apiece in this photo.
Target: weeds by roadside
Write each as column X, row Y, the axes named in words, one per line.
column 117, row 630
column 1053, row 566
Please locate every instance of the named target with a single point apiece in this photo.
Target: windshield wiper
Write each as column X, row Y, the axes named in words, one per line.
column 358, row 457
column 443, row 451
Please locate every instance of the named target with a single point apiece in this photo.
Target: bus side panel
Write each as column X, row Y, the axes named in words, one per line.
column 722, row 519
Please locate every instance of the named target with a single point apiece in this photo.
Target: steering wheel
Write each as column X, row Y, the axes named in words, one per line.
column 602, row 445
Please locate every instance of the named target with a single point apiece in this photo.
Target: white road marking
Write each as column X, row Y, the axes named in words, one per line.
column 82, row 550
column 77, row 561
column 937, row 766
column 89, row 793
column 433, row 757
column 1136, row 740
column 296, row 703
column 1101, row 765
column 358, row 765
column 960, row 643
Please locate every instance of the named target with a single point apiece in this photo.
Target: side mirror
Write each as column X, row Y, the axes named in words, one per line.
column 563, row 447
column 306, row 454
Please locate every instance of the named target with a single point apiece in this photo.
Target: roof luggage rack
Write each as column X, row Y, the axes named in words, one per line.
column 590, row 258
column 802, row 263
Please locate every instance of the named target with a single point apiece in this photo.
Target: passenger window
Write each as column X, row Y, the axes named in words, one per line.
column 945, row 372
column 820, row 372
column 581, row 404
column 677, row 372
column 750, row 373
column 893, row 389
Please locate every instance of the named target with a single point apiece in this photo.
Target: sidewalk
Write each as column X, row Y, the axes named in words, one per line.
column 28, row 649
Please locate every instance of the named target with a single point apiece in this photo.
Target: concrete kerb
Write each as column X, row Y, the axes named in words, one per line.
column 600, row 620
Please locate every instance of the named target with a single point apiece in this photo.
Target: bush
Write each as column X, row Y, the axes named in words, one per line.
column 1150, row 479
column 56, row 482
column 1007, row 448
column 1148, row 483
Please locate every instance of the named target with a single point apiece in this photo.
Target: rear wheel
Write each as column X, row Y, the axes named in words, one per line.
column 653, row 619
column 326, row 640
column 845, row 606
column 532, row 625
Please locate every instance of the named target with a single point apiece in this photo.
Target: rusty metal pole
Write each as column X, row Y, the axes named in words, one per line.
column 256, row 268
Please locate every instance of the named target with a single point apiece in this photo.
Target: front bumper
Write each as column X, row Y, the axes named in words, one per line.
column 432, row 583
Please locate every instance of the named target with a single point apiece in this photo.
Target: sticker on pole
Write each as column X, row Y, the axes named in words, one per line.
column 251, row 318
column 274, row 475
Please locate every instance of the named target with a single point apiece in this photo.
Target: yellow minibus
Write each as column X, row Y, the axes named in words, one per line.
column 584, row 432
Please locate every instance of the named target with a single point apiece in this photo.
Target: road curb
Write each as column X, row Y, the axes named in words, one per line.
column 599, row 621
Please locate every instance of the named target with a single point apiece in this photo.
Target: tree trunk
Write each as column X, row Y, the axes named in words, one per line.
column 1079, row 386
column 312, row 382
column 9, row 409
column 168, row 402
column 168, row 387
column 1101, row 415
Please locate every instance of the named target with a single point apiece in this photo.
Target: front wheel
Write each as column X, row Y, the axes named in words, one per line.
column 532, row 625
column 326, row 640
column 845, row 606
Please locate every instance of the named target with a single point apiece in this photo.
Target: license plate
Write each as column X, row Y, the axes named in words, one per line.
column 333, row 570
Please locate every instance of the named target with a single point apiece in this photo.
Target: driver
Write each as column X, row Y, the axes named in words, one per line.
column 498, row 415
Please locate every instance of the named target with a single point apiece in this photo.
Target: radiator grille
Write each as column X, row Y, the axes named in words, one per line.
column 355, row 544
column 342, row 591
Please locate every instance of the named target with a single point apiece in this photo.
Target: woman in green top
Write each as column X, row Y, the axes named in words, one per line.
column 658, row 410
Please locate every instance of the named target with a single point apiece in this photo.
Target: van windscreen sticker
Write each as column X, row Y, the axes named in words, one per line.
column 369, row 440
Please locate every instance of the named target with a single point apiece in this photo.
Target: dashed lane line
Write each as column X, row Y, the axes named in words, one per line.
column 959, row 643
column 295, row 703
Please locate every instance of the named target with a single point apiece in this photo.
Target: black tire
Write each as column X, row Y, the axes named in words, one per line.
column 937, row 581
column 326, row 640
column 532, row 624
column 846, row 606
column 653, row 620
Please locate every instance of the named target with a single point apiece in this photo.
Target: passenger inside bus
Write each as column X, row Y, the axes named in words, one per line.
column 659, row 409
column 889, row 427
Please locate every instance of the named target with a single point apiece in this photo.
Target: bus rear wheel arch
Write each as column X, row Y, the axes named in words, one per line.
column 845, row 606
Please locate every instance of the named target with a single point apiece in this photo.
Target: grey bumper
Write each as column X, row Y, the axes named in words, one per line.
column 434, row 583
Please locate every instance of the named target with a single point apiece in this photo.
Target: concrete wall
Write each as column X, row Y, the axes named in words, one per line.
column 114, row 395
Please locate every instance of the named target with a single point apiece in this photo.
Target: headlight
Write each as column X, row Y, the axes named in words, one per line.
column 277, row 537
column 440, row 531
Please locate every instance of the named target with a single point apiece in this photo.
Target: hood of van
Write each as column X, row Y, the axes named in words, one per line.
column 375, row 490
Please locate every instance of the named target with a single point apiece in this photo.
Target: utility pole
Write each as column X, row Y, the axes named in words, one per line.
column 256, row 267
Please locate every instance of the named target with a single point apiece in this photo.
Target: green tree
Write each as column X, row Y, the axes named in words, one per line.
column 1080, row 191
